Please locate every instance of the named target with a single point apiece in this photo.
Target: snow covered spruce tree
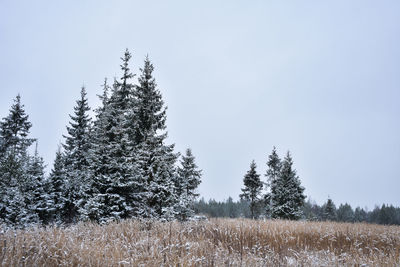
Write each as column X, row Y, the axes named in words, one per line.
column 186, row 182
column 156, row 159
column 14, row 164
column 273, row 172
column 117, row 187
column 36, row 188
column 252, row 189
column 56, row 188
column 287, row 194
column 76, row 149
column 96, row 207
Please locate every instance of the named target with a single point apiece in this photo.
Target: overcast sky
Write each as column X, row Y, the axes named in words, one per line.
column 318, row 78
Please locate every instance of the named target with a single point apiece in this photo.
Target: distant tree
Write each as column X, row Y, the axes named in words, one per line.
column 186, row 182
column 287, row 194
column 373, row 216
column 273, row 173
column 232, row 210
column 387, row 215
column 252, row 189
column 345, row 213
column 329, row 210
column 360, row 215
column 311, row 210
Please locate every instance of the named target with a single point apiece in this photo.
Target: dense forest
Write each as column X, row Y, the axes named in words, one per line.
column 114, row 167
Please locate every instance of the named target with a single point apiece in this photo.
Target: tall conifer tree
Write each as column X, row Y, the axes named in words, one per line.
column 76, row 152
column 156, row 159
column 186, row 182
column 40, row 201
column 56, row 187
column 273, row 172
column 116, row 190
column 14, row 164
column 288, row 196
column 252, row 189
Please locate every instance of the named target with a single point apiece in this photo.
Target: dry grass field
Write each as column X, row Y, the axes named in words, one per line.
column 218, row 242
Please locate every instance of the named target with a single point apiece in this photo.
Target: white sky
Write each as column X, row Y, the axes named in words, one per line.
column 320, row 78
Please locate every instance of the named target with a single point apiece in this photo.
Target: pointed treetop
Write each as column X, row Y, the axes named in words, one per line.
column 150, row 110
column 77, row 138
column 252, row 188
column 253, row 163
column 106, row 87
column 14, row 128
column 83, row 92
column 147, row 69
column 188, row 152
column 273, row 159
column 125, row 66
column 288, row 157
column 274, row 167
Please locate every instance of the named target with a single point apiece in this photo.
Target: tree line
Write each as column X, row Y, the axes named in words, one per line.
column 281, row 196
column 112, row 167
column 311, row 211
column 117, row 165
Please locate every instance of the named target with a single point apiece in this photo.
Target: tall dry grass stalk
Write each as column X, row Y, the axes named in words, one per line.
column 218, row 242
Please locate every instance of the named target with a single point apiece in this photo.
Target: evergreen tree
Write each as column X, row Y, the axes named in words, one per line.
column 14, row 163
column 116, row 190
column 129, row 180
column 287, row 198
column 56, row 188
column 273, row 172
column 35, row 191
column 95, row 207
column 329, row 210
column 76, row 152
column 252, row 189
column 104, row 203
column 14, row 131
column 157, row 163
column 77, row 141
column 156, row 160
column 186, row 183
column 387, row 215
column 150, row 112
column 360, row 215
column 311, row 211
column 345, row 213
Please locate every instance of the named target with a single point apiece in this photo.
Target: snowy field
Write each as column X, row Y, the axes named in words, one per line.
column 217, row 242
